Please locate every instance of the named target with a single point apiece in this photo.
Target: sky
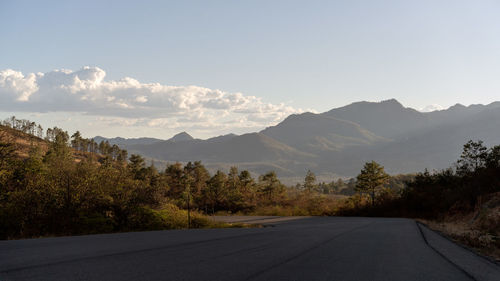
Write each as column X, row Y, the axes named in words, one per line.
column 156, row 68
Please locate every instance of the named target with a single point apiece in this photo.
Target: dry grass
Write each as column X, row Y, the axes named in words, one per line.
column 479, row 230
column 23, row 143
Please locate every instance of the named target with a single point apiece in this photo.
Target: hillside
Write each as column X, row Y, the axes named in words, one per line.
column 24, row 142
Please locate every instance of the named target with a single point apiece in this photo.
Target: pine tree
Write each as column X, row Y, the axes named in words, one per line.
column 310, row 182
column 271, row 188
column 371, row 179
column 474, row 156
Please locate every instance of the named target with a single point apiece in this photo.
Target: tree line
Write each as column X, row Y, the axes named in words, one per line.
column 461, row 188
column 23, row 125
column 51, row 193
column 76, row 141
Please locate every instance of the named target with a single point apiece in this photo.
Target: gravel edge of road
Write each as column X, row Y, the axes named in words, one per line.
column 465, row 247
column 457, row 262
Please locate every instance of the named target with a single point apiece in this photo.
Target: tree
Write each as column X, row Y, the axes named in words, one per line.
column 115, row 151
column 371, row 179
column 137, row 166
column 233, row 179
column 270, row 187
column 61, row 176
column 85, row 143
column 188, row 180
column 174, row 174
column 104, row 147
column 49, row 135
column 200, row 176
column 39, row 131
column 122, row 157
column 216, row 191
column 248, row 189
column 474, row 156
column 235, row 195
column 76, row 140
column 493, row 159
column 246, row 181
column 310, row 182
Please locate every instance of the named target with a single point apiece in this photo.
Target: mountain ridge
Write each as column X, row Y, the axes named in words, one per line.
column 339, row 141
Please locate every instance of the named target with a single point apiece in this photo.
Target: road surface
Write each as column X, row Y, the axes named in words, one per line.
column 316, row 248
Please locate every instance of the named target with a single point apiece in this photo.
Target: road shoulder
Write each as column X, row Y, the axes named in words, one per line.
column 476, row 266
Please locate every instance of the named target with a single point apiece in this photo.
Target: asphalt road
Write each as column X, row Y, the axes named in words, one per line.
column 317, row 248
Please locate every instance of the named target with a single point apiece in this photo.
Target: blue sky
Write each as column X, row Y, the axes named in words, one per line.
column 290, row 55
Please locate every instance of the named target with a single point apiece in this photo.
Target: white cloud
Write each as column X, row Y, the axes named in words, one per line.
column 134, row 103
column 432, row 107
column 141, row 99
column 13, row 84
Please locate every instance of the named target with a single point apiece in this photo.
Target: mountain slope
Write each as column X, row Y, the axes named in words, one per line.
column 183, row 136
column 125, row 142
column 436, row 147
column 245, row 148
column 388, row 118
column 316, row 132
column 340, row 141
column 22, row 143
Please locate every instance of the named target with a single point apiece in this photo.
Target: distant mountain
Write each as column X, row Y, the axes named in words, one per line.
column 459, row 112
column 181, row 137
column 317, row 132
column 439, row 146
column 222, row 138
column 433, row 146
column 388, row 118
column 254, row 147
column 339, row 141
column 124, row 142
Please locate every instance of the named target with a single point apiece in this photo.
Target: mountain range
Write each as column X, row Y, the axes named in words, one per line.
column 337, row 142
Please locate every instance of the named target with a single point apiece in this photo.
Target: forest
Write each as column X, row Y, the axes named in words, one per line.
column 67, row 185
column 54, row 184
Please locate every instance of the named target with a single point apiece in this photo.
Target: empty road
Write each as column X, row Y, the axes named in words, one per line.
column 316, row 248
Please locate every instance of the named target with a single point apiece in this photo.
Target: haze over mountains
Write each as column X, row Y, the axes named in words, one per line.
column 339, row 141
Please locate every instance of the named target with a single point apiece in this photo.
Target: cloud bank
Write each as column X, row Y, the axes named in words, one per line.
column 129, row 102
column 432, row 107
